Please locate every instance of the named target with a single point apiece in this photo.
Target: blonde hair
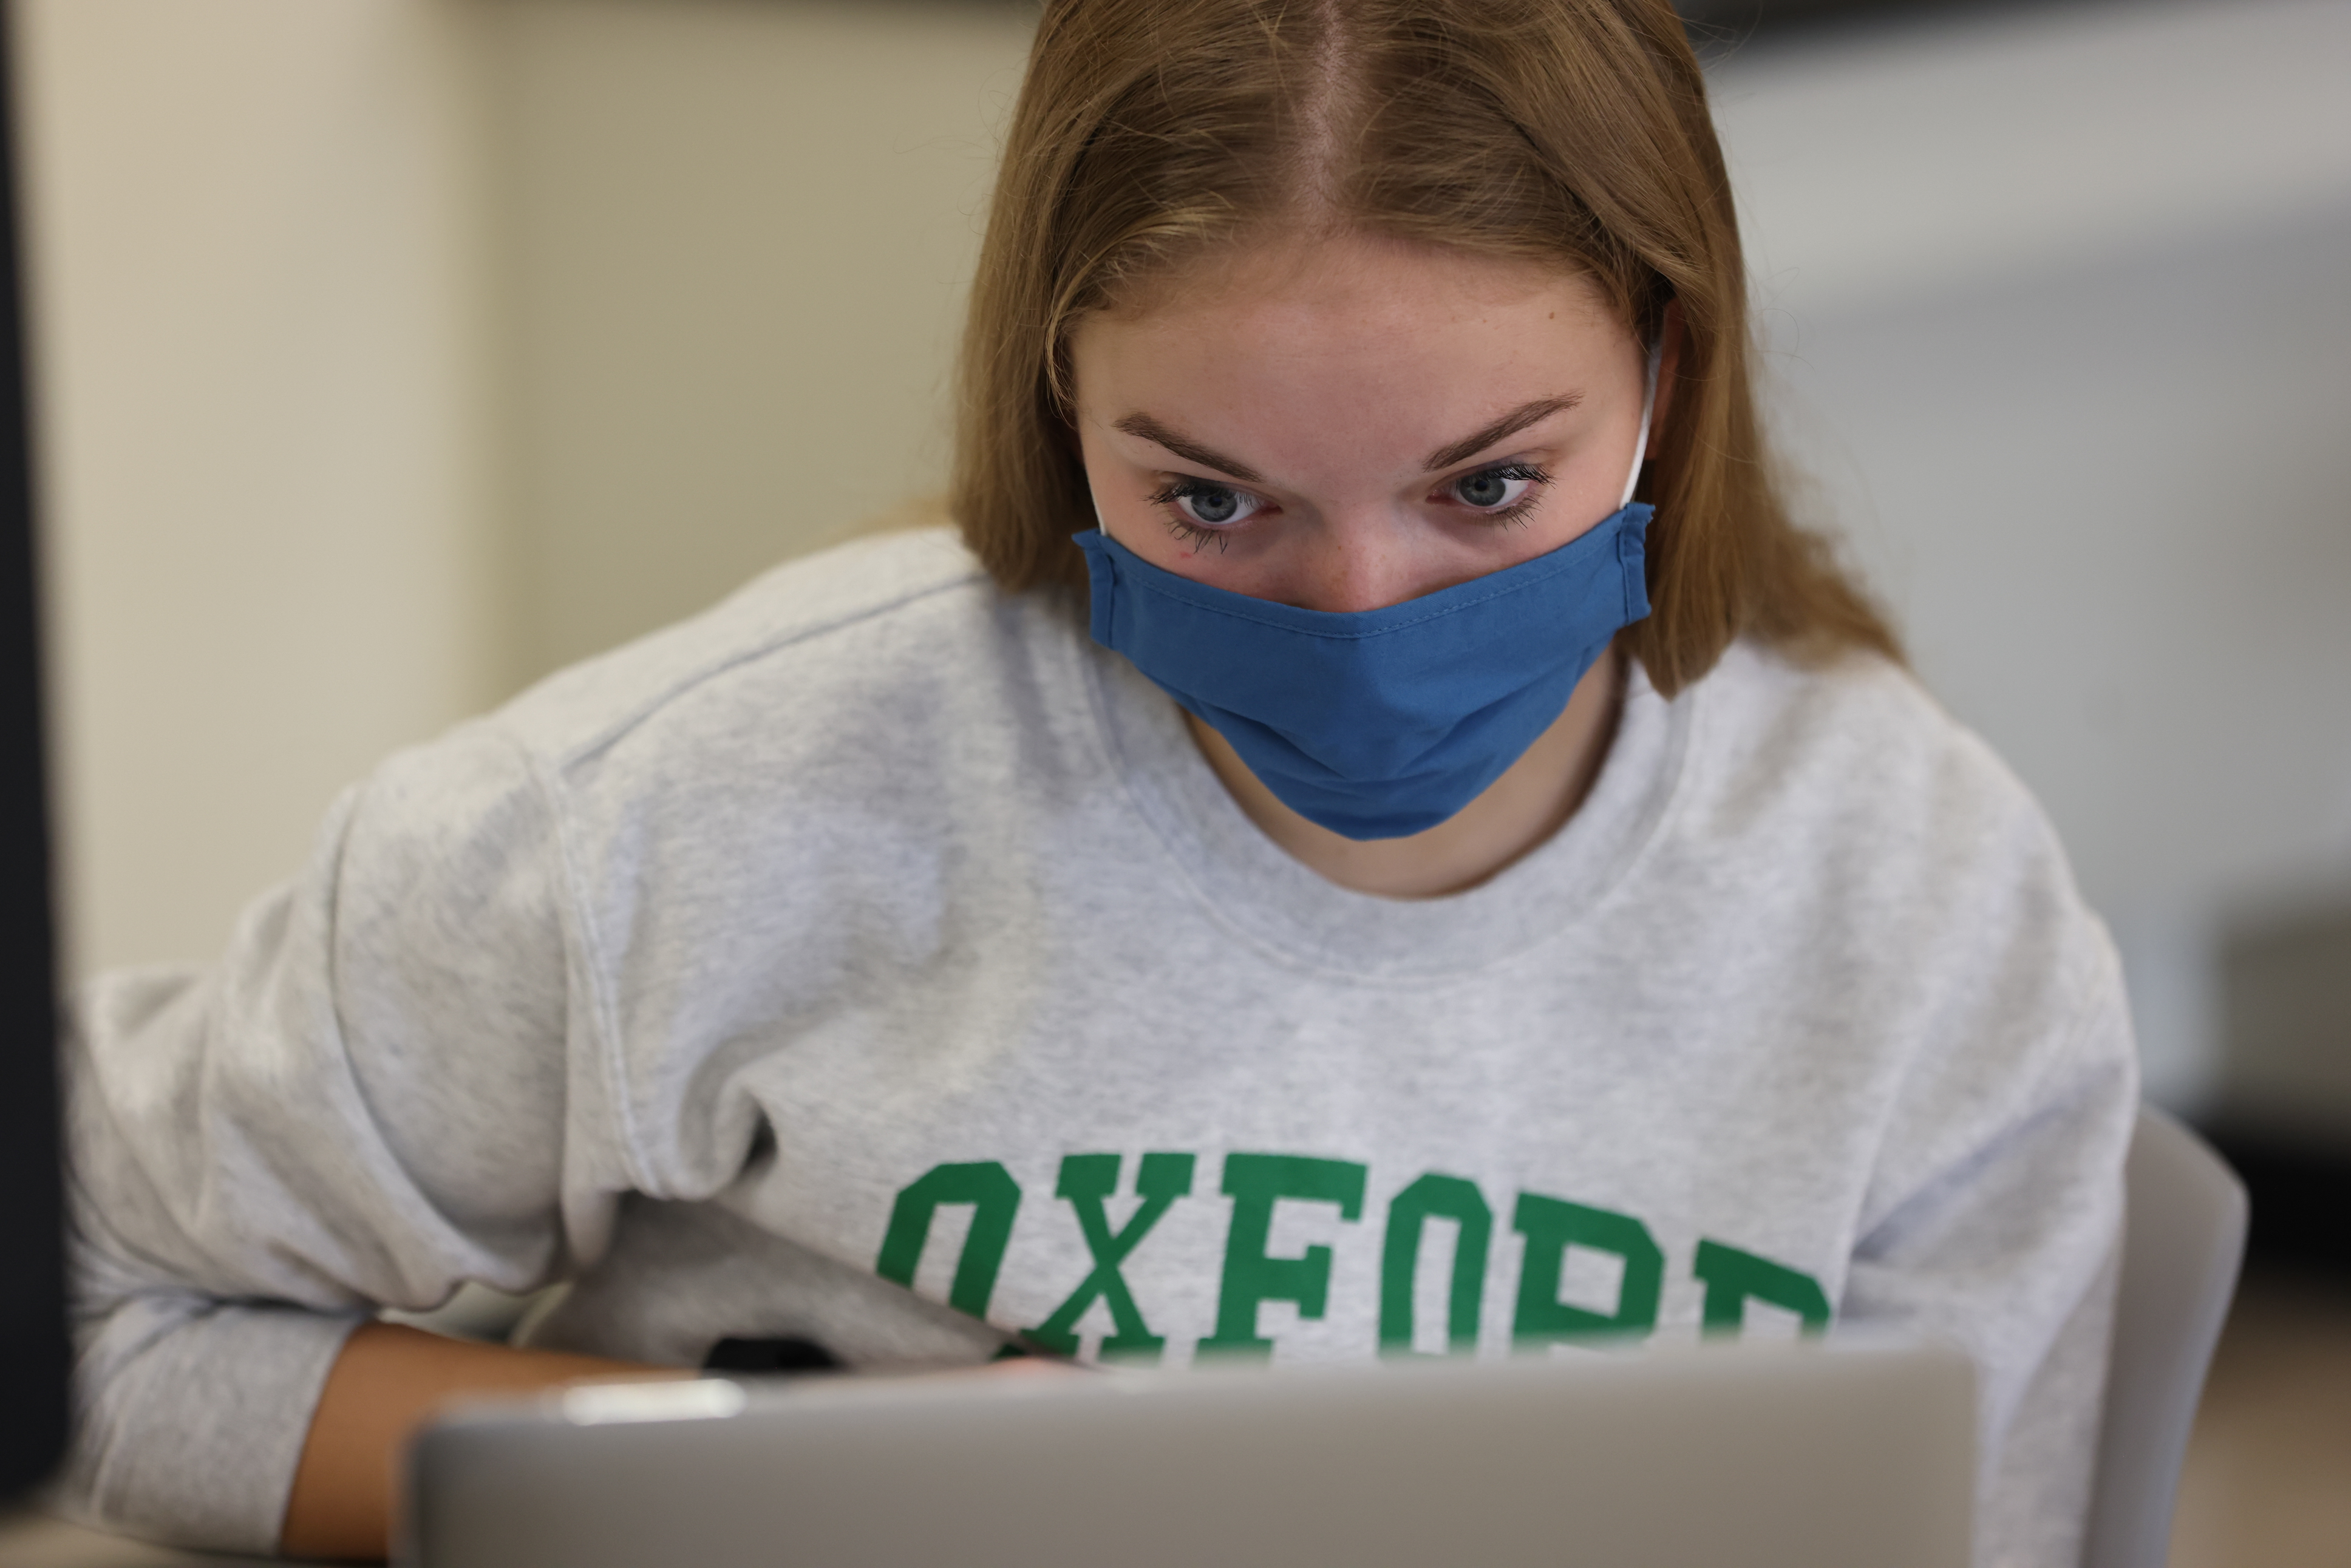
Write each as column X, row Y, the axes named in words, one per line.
column 1149, row 132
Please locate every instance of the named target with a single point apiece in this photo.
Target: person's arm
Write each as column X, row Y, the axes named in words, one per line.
column 388, row 1382
column 382, row 1089
column 2005, row 1238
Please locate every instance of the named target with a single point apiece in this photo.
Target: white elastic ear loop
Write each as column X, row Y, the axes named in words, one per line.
column 1648, row 406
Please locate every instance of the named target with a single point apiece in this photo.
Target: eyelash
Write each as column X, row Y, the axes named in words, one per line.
column 1196, row 535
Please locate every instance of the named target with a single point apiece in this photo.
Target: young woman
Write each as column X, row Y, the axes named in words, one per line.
column 1376, row 837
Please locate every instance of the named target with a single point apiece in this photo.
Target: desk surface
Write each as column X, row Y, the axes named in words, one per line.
column 30, row 1540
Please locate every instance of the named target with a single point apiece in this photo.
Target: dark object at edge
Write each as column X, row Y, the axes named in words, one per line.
column 33, row 1352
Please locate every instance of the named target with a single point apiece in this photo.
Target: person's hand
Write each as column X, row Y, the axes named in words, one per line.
column 388, row 1382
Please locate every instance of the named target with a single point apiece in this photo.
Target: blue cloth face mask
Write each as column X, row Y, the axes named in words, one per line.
column 1380, row 723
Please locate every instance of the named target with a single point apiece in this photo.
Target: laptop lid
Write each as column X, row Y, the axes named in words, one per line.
column 1827, row 1457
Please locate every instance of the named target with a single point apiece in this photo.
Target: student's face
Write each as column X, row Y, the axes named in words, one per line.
column 1344, row 425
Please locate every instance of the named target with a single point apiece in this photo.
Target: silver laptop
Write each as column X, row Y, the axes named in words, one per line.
column 1825, row 1456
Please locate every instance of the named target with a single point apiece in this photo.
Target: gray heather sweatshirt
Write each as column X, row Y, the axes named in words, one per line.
column 876, row 926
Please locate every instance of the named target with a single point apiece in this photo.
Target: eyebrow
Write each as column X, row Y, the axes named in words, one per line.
column 1184, row 447
column 1143, row 426
column 1510, row 424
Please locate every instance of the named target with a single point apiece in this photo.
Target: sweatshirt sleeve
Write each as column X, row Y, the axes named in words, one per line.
column 369, row 1099
column 2002, row 1233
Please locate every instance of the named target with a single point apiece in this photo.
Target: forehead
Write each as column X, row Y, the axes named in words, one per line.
column 1347, row 295
column 1374, row 342
column 1296, row 260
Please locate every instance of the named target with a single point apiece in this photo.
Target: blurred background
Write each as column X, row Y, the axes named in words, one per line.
column 391, row 353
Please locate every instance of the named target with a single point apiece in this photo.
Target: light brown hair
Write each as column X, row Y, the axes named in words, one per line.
column 1575, row 131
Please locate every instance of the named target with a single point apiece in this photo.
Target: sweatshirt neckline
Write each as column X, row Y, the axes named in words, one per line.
column 1280, row 906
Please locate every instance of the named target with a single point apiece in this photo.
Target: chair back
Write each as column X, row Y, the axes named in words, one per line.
column 2183, row 1241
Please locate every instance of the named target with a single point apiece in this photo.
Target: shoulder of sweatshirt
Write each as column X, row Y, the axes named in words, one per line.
column 885, row 608
column 1851, row 770
column 1849, row 808
column 850, row 686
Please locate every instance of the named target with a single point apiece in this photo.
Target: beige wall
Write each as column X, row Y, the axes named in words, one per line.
column 395, row 352
column 736, row 235
column 259, row 414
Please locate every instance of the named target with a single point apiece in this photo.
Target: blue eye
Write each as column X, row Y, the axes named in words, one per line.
column 1206, row 505
column 1487, row 489
column 1211, row 505
column 1494, row 490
